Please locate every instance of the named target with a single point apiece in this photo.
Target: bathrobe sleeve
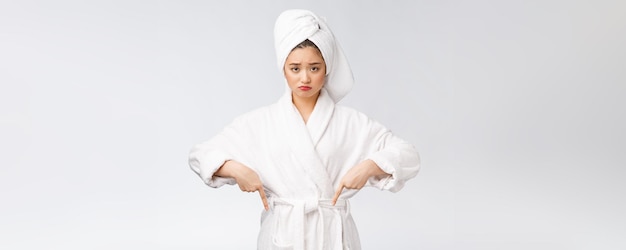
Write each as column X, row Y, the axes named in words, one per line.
column 207, row 157
column 393, row 155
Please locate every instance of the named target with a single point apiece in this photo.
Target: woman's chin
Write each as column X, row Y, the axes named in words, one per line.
column 305, row 94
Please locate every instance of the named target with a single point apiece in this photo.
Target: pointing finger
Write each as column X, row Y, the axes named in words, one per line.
column 337, row 194
column 264, row 199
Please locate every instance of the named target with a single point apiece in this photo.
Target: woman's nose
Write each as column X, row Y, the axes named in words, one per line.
column 305, row 78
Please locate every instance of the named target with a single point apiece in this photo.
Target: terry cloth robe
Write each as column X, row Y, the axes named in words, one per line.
column 301, row 166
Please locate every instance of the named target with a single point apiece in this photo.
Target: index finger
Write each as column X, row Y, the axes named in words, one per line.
column 337, row 194
column 264, row 198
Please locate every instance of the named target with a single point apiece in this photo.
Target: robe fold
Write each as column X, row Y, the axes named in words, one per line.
column 301, row 166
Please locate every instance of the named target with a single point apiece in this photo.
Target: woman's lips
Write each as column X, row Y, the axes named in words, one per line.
column 304, row 88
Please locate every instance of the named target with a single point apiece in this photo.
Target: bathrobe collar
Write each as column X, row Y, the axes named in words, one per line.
column 303, row 138
column 319, row 118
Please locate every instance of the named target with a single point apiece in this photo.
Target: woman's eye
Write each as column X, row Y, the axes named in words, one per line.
column 295, row 69
column 314, row 69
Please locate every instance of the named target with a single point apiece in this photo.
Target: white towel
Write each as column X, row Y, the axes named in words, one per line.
column 293, row 27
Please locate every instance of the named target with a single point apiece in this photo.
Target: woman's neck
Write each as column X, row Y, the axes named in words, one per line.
column 304, row 105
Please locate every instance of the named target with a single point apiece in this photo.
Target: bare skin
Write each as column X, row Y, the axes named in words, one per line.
column 357, row 176
column 305, row 72
column 247, row 179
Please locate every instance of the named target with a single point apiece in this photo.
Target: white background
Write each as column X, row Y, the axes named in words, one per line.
column 517, row 109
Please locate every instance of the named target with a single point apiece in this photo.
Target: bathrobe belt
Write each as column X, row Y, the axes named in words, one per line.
column 302, row 207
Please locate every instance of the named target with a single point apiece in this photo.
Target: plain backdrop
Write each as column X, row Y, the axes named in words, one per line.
column 516, row 107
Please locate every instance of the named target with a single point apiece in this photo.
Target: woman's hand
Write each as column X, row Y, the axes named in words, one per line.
column 357, row 176
column 247, row 179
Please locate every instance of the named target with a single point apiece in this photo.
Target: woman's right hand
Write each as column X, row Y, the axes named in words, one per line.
column 247, row 179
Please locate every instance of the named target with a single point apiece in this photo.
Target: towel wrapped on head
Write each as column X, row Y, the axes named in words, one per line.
column 293, row 27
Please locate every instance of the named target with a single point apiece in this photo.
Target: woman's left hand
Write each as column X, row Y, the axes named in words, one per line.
column 357, row 176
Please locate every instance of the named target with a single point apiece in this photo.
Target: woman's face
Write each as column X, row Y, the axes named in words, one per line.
column 305, row 71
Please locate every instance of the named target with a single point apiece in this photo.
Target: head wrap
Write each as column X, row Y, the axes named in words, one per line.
column 293, row 27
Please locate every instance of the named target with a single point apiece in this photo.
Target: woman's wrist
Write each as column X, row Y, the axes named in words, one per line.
column 373, row 169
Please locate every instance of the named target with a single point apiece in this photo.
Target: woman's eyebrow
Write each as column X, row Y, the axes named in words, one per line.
column 298, row 64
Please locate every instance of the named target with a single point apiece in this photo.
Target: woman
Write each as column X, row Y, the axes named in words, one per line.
column 305, row 155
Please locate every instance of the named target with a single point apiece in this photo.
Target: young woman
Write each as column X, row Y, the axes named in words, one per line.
column 306, row 155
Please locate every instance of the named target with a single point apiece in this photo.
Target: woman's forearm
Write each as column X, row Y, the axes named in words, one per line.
column 374, row 170
column 229, row 169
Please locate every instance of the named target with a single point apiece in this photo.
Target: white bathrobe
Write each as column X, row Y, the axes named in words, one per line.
column 301, row 166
